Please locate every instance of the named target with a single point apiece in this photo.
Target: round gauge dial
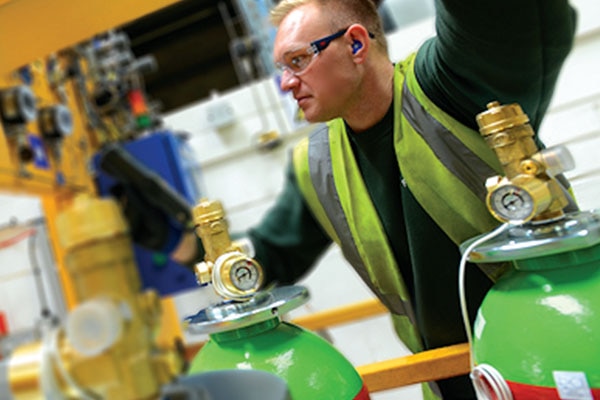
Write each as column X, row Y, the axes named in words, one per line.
column 245, row 275
column 236, row 276
column 511, row 203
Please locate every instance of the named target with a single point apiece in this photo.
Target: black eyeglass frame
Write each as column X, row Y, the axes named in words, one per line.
column 321, row 44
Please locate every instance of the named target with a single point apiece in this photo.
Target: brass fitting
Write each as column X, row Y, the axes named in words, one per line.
column 212, row 228
column 527, row 182
column 507, row 131
column 233, row 272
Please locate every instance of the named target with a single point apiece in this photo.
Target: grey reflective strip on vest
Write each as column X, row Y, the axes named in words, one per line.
column 452, row 153
column 321, row 173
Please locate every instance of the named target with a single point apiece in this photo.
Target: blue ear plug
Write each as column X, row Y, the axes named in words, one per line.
column 356, row 46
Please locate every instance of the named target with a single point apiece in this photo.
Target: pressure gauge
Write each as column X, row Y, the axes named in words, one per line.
column 244, row 274
column 511, row 203
column 17, row 105
column 236, row 275
column 55, row 122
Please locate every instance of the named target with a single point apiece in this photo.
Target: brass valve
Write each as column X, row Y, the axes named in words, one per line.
column 528, row 191
column 227, row 264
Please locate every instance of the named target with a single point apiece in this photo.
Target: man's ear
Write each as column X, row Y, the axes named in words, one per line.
column 359, row 37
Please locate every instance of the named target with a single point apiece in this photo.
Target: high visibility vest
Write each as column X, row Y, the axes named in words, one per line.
column 445, row 165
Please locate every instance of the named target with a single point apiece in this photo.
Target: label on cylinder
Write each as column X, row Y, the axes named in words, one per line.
column 572, row 385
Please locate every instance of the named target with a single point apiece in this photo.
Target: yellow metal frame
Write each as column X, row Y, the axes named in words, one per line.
column 64, row 177
column 431, row 365
column 341, row 315
column 30, row 29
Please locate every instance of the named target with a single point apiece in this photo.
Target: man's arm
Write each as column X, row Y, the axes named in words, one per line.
column 511, row 51
column 288, row 240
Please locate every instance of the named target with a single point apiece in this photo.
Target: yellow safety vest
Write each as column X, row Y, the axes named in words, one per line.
column 444, row 164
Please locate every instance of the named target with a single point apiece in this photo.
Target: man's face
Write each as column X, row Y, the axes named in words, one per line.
column 319, row 81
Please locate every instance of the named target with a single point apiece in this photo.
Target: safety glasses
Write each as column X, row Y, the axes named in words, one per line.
column 296, row 61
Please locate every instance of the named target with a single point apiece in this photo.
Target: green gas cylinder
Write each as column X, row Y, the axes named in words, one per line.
column 251, row 335
column 537, row 332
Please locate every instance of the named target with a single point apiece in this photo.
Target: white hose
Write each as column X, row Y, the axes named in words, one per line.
column 490, row 384
column 494, row 381
column 461, row 281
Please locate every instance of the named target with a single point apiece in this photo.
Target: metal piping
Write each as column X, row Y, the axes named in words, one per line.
column 5, row 381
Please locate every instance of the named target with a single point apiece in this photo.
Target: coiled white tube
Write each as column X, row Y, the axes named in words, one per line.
column 489, row 384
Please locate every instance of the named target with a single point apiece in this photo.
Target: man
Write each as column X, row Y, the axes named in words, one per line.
column 396, row 176
column 369, row 179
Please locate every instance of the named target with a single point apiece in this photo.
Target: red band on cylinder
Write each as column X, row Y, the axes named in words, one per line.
column 363, row 394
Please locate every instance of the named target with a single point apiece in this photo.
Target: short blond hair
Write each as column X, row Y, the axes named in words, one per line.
column 340, row 13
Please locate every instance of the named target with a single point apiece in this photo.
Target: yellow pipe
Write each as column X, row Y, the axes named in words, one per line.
column 53, row 206
column 171, row 328
column 341, row 315
column 426, row 366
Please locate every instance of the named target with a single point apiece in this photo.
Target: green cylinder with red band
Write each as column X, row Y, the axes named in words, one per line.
column 538, row 328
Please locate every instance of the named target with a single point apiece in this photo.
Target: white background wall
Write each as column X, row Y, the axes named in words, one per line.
column 247, row 180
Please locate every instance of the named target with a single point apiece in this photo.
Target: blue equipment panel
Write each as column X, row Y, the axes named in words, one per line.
column 166, row 155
